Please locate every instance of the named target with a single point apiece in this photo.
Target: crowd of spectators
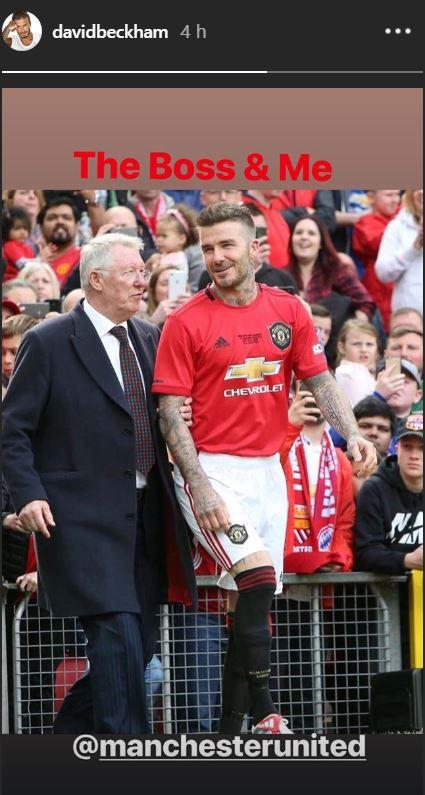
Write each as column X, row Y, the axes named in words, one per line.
column 355, row 257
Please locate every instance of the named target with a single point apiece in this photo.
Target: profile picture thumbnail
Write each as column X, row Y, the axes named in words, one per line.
column 21, row 31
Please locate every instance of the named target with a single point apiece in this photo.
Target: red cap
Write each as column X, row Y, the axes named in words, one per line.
column 14, row 308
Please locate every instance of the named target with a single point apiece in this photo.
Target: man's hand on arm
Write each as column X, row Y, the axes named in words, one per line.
column 210, row 511
column 335, row 406
column 186, row 412
column 36, row 517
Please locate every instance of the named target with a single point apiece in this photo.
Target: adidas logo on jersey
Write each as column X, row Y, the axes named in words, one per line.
column 221, row 343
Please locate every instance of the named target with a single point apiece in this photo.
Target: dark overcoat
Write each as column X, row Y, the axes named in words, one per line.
column 68, row 438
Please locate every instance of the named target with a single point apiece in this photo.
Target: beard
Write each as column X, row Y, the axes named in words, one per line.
column 242, row 269
column 61, row 236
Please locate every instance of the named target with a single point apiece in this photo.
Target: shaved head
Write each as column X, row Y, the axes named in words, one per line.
column 120, row 216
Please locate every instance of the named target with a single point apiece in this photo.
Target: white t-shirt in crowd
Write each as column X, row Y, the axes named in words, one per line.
column 17, row 44
column 355, row 380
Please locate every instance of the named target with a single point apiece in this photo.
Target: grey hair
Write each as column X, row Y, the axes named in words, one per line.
column 34, row 265
column 8, row 286
column 97, row 254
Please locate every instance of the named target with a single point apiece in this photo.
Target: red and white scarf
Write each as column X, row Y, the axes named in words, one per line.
column 151, row 221
column 314, row 532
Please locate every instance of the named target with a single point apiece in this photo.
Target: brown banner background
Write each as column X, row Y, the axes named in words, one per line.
column 372, row 137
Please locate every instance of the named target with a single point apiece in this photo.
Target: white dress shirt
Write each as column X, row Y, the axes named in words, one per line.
column 103, row 326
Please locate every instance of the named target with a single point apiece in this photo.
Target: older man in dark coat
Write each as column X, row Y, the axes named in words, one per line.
column 88, row 472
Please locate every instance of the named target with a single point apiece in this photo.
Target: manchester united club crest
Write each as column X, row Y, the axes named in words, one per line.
column 237, row 533
column 281, row 335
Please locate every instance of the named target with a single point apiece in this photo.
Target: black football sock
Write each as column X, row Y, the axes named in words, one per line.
column 252, row 635
column 235, row 693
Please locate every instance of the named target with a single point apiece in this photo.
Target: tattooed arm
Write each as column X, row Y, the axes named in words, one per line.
column 335, row 406
column 209, row 509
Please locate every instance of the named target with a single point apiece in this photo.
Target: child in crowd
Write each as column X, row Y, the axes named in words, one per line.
column 16, row 228
column 367, row 236
column 357, row 350
column 321, row 504
column 176, row 231
column 13, row 329
column 322, row 320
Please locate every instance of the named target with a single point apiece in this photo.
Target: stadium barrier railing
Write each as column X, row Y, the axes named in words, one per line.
column 331, row 634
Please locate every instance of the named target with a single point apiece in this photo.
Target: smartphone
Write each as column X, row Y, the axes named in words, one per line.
column 393, row 363
column 176, row 284
column 37, row 311
column 55, row 304
column 126, row 230
column 260, row 231
column 311, row 404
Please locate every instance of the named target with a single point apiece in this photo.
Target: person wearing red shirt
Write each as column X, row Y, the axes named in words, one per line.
column 16, row 227
column 367, row 236
column 296, row 204
column 319, row 536
column 233, row 348
column 58, row 221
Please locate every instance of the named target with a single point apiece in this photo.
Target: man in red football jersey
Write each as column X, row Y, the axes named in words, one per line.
column 233, row 348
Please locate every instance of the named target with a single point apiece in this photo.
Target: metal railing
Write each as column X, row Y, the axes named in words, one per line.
column 332, row 633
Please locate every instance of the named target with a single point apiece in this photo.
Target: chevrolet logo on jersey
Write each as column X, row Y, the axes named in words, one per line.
column 253, row 369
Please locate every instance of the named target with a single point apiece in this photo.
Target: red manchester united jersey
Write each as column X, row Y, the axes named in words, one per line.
column 236, row 363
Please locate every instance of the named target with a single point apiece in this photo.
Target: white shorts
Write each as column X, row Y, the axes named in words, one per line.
column 254, row 491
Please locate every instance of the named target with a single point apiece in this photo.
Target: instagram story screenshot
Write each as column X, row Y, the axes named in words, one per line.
column 212, row 397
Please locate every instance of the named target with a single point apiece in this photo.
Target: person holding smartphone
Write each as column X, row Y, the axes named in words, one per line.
column 399, row 384
column 167, row 290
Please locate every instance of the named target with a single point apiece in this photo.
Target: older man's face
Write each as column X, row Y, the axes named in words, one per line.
column 23, row 295
column 120, row 287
